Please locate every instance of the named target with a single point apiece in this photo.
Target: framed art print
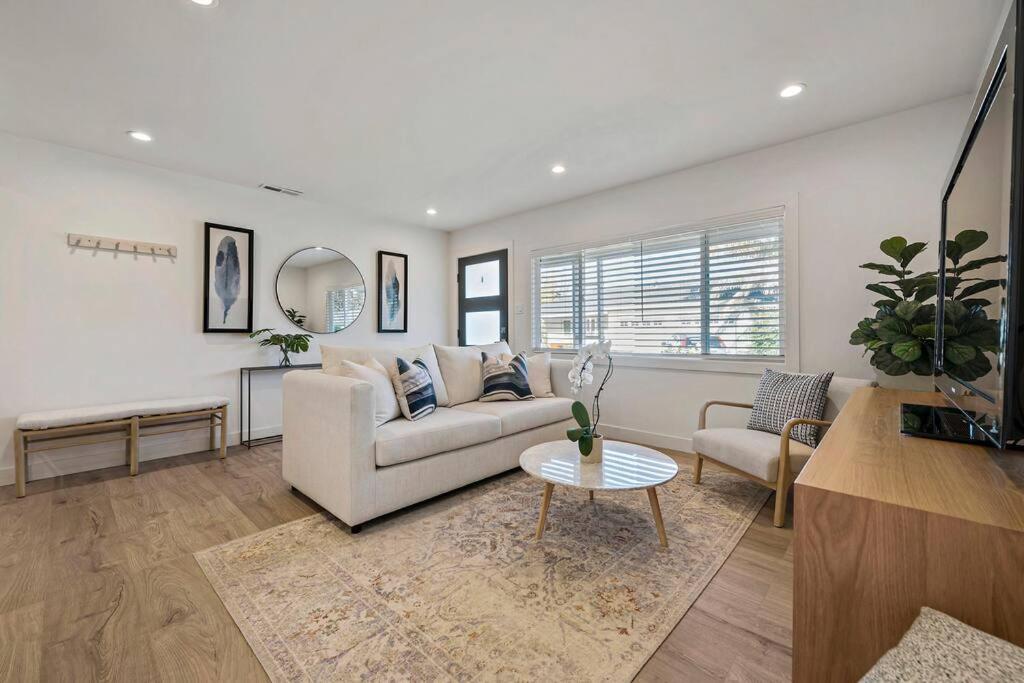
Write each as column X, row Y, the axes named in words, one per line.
column 227, row 279
column 392, row 292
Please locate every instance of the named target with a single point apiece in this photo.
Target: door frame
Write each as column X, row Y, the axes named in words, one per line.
column 484, row 303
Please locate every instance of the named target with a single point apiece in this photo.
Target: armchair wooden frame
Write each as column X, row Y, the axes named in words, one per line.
column 785, row 477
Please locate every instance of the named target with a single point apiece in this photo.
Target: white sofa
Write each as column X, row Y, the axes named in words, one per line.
column 336, row 455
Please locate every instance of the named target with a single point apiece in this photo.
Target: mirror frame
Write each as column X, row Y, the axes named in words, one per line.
column 277, row 298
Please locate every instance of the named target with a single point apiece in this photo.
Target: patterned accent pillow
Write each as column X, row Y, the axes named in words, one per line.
column 505, row 380
column 782, row 396
column 414, row 389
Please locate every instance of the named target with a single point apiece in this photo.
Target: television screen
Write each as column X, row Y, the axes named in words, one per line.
column 972, row 344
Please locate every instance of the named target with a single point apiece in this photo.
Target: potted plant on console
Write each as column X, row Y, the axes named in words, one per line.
column 288, row 343
column 586, row 436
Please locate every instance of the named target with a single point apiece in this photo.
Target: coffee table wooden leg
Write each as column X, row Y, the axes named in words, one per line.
column 656, row 509
column 548, row 488
column 591, row 494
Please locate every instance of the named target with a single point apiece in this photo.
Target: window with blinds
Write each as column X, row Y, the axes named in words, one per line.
column 710, row 291
column 343, row 307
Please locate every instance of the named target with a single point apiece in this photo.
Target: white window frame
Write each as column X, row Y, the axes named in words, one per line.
column 790, row 362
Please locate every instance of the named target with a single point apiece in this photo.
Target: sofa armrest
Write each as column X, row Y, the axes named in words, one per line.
column 330, row 442
column 560, row 377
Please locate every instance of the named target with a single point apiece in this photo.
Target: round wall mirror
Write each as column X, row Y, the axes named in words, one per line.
column 320, row 290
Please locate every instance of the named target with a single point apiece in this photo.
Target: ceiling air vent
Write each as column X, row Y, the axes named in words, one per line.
column 282, row 190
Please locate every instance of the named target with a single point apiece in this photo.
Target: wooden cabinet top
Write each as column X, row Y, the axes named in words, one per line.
column 863, row 454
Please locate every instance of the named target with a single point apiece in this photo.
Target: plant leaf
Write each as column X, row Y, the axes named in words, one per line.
column 908, row 351
column 907, row 309
column 894, row 330
column 979, row 287
column 885, row 302
column 893, row 247
column 888, row 363
column 924, row 331
column 908, row 252
column 575, row 434
column 969, row 240
column 883, row 290
column 957, row 353
column 925, row 292
column 579, row 411
column 586, row 445
column 978, row 263
column 883, row 268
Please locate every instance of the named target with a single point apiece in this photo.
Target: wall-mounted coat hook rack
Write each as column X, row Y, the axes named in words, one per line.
column 110, row 244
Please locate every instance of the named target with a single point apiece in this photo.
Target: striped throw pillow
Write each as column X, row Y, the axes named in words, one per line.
column 505, row 380
column 414, row 389
column 782, row 396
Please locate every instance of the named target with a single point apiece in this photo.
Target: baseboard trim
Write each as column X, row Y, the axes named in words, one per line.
column 49, row 464
column 655, row 439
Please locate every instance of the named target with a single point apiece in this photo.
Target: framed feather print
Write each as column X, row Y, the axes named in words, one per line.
column 227, row 279
column 392, row 292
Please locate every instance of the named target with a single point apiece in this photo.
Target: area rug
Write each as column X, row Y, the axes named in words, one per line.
column 459, row 589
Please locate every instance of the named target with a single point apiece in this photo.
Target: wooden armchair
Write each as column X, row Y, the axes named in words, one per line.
column 770, row 460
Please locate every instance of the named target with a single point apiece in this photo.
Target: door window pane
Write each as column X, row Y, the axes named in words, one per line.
column 483, row 327
column 482, row 279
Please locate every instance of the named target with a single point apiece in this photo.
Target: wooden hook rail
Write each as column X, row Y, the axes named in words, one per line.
column 124, row 246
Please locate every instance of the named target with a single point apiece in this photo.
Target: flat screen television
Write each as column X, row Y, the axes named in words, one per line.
column 980, row 309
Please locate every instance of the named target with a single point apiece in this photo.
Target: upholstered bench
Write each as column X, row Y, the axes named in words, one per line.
column 47, row 430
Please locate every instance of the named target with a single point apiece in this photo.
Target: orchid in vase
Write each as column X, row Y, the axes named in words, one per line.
column 586, row 435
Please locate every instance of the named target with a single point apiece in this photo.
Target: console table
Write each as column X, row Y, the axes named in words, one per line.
column 245, row 400
column 886, row 524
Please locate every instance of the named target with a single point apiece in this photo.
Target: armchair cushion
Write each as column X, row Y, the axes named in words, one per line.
column 782, row 396
column 749, row 450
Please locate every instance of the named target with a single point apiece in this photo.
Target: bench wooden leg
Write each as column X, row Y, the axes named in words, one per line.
column 133, row 447
column 223, row 432
column 19, row 463
column 213, row 431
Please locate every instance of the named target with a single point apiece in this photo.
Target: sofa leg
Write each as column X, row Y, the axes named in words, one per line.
column 697, row 468
column 355, row 528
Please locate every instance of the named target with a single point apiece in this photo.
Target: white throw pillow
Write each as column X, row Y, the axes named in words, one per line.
column 496, row 350
column 385, row 403
column 462, row 370
column 538, row 369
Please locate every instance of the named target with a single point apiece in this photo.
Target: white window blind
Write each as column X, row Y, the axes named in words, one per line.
column 703, row 291
column 343, row 307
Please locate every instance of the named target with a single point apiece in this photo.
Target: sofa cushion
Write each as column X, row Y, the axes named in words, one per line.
column 518, row 416
column 332, row 356
column 749, row 450
column 498, row 348
column 386, row 403
column 462, row 371
column 445, row 430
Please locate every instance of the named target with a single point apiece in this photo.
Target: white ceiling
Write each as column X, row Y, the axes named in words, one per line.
column 390, row 107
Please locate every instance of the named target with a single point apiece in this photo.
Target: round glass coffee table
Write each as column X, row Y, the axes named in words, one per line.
column 624, row 467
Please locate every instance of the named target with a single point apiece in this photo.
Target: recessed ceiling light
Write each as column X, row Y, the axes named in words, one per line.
column 206, row 3
column 319, row 248
column 558, row 169
column 139, row 135
column 792, row 90
column 431, row 211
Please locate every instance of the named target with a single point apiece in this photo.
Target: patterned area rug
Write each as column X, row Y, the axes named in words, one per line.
column 458, row 589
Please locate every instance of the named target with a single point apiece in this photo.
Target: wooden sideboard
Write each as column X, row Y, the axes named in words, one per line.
column 886, row 523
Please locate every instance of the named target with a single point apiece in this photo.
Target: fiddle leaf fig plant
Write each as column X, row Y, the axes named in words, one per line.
column 901, row 335
column 288, row 343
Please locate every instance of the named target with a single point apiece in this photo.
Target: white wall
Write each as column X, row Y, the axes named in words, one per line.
column 79, row 328
column 853, row 186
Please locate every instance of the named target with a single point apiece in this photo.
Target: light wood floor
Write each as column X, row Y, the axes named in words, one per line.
column 97, row 579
